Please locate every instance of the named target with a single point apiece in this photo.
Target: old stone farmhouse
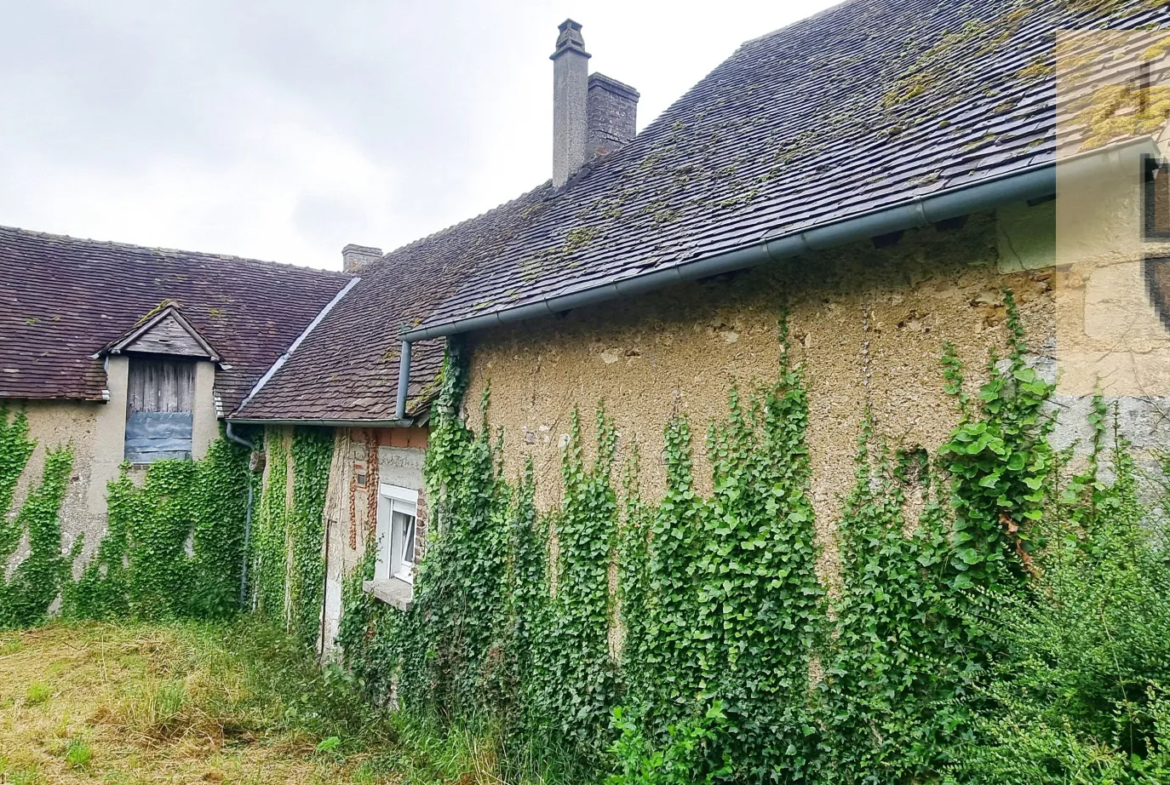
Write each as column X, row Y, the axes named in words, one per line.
column 874, row 176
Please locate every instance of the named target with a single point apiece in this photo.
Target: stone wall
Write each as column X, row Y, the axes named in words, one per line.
column 867, row 326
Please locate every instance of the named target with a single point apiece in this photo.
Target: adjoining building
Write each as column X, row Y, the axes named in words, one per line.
column 136, row 354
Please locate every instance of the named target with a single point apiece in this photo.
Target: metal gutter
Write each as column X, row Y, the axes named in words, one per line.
column 280, row 361
column 405, row 422
column 1030, row 183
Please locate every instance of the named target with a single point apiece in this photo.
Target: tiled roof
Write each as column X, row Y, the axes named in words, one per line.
column 866, row 105
column 62, row 300
column 346, row 369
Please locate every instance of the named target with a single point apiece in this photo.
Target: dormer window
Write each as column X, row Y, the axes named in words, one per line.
column 164, row 350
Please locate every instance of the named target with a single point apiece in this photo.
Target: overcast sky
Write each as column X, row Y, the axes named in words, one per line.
column 285, row 129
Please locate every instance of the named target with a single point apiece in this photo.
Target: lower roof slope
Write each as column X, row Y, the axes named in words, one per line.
column 868, row 104
column 63, row 300
column 346, row 368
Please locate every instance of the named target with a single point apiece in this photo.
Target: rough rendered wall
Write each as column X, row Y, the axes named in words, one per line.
column 866, row 324
column 53, row 423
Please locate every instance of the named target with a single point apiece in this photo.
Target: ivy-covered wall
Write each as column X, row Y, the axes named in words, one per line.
column 30, row 586
column 688, row 637
column 173, row 546
column 866, row 325
column 180, row 540
column 288, row 560
column 53, row 423
column 174, row 542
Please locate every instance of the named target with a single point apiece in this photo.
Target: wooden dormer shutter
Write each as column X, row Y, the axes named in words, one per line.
column 159, row 409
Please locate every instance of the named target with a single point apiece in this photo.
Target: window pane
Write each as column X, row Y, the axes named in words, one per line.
column 404, row 534
column 408, row 550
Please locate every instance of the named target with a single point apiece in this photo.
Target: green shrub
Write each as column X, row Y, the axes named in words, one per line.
column 1078, row 693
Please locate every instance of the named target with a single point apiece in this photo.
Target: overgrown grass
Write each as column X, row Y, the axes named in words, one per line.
column 183, row 702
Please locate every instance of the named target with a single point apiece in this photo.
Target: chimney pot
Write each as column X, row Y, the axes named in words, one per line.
column 570, row 98
column 355, row 257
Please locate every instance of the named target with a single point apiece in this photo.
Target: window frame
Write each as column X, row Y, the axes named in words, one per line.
column 390, row 563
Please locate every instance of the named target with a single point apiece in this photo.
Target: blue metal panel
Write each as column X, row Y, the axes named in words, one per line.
column 153, row 436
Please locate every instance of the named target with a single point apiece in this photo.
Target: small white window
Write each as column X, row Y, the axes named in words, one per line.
column 397, row 519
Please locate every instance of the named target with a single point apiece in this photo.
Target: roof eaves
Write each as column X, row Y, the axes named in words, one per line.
column 1024, row 183
column 404, row 423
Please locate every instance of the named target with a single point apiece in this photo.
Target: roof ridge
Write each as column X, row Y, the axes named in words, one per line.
column 802, row 20
column 117, row 245
column 456, row 226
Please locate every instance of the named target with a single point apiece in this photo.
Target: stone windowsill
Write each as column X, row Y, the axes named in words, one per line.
column 392, row 591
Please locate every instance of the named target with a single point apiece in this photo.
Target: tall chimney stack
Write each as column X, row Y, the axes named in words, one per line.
column 355, row 257
column 570, row 98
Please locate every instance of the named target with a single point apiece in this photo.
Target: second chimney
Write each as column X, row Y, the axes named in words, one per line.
column 570, row 91
column 355, row 257
column 613, row 114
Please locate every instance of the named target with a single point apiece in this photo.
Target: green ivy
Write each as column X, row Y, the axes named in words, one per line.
column 102, row 591
column 287, row 555
column 574, row 678
column 668, row 677
column 460, row 591
column 998, row 464
column 224, row 478
column 15, row 449
column 269, row 572
column 159, row 521
column 172, row 547
column 893, row 665
column 312, row 452
column 634, row 595
column 36, row 582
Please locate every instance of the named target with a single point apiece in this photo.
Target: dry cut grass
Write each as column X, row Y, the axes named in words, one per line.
column 135, row 703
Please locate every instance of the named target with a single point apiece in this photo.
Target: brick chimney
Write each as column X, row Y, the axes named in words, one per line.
column 355, row 257
column 570, row 91
column 592, row 115
column 612, row 109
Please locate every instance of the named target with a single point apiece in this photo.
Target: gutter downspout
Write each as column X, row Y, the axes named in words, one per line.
column 403, row 381
column 1031, row 183
column 247, row 515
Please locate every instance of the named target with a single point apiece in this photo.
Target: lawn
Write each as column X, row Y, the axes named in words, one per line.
column 120, row 703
